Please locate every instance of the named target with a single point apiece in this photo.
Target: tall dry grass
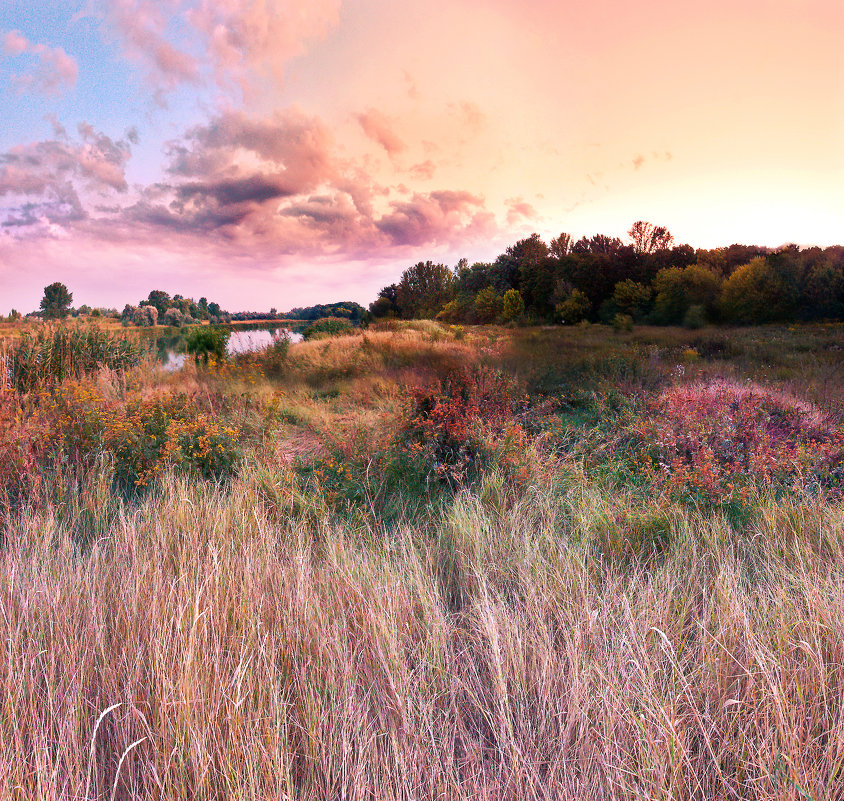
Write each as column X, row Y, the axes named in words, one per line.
column 208, row 647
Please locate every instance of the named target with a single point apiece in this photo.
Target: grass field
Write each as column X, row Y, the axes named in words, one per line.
column 427, row 562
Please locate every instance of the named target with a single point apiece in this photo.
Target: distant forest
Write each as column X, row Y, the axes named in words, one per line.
column 648, row 279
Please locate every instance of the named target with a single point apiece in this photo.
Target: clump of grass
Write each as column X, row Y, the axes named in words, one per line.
column 251, row 646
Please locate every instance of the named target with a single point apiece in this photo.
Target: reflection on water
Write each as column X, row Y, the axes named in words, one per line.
column 169, row 348
column 253, row 341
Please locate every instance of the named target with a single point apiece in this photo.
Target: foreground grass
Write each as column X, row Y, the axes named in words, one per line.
column 576, row 637
column 494, row 654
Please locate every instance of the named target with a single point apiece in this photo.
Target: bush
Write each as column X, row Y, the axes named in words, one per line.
column 622, row 322
column 631, row 298
column 717, row 439
column 274, row 359
column 203, row 342
column 329, row 327
column 574, row 308
column 513, row 306
column 695, row 317
column 143, row 436
column 145, row 316
column 488, row 305
column 174, row 317
column 447, row 429
column 759, row 292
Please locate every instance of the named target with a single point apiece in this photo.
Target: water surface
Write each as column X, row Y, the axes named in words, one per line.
column 171, row 347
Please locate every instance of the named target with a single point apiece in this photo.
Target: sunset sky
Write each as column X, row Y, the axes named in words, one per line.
column 288, row 152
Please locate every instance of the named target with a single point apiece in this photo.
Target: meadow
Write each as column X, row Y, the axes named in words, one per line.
column 425, row 561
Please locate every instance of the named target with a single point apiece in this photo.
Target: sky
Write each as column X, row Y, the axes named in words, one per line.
column 280, row 153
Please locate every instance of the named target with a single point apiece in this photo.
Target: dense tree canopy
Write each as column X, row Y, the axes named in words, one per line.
column 424, row 289
column 649, row 279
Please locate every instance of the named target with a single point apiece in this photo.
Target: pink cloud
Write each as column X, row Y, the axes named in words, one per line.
column 49, row 178
column 424, row 171
column 378, row 128
column 432, row 218
column 14, row 43
column 259, row 36
column 518, row 210
column 54, row 72
column 141, row 26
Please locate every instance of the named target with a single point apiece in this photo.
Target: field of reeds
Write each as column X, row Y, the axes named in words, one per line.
column 426, row 562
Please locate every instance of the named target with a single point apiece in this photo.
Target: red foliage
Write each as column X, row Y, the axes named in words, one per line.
column 449, row 425
column 721, row 437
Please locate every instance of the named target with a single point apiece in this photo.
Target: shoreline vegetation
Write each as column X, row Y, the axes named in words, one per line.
column 426, row 561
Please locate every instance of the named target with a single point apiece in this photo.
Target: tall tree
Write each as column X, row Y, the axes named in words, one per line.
column 424, row 289
column 649, row 238
column 56, row 301
column 518, row 260
column 561, row 245
column 160, row 299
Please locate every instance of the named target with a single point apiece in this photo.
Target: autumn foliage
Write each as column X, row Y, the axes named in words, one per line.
column 722, row 437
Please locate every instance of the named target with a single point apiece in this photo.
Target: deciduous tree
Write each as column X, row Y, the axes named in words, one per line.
column 56, row 301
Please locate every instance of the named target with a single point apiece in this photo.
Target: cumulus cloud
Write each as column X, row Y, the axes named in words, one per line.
column 270, row 186
column 236, row 43
column 379, row 129
column 47, row 179
column 53, row 72
column 433, row 218
column 281, row 184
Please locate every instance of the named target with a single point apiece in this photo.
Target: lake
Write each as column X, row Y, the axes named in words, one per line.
column 171, row 347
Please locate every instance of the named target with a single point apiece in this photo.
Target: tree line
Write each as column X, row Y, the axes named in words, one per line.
column 647, row 279
column 159, row 308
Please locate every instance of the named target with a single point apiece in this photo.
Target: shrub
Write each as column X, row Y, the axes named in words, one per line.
column 145, row 316
column 488, row 305
column 574, row 308
column 759, row 292
column 513, row 306
column 144, row 436
column 695, row 317
column 622, row 322
column 717, row 439
column 203, row 342
column 328, row 327
column 457, row 310
column 174, row 317
column 274, row 359
column 447, row 428
column 631, row 298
